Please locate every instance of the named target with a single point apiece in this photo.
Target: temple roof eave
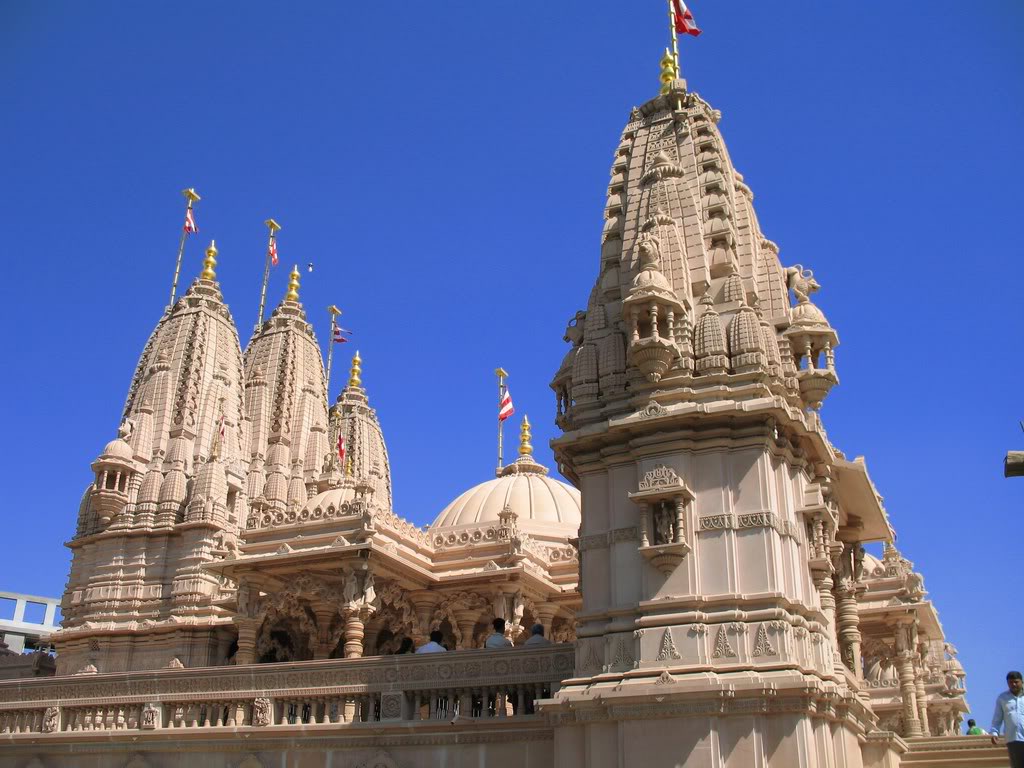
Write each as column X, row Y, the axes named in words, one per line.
column 924, row 611
column 859, row 505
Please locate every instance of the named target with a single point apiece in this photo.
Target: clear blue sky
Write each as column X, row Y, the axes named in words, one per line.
column 446, row 172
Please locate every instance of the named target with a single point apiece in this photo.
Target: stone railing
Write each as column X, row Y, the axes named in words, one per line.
column 459, row 685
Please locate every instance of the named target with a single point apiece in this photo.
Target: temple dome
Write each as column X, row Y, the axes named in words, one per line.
column 541, row 503
column 117, row 449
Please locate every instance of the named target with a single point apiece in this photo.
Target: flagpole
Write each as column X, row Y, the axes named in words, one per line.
column 672, row 31
column 501, row 373
column 191, row 197
column 273, row 226
column 333, row 311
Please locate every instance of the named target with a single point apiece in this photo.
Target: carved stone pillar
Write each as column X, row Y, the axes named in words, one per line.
column 680, row 509
column 922, row 701
column 246, row 653
column 848, row 626
column 323, row 647
column 823, row 583
column 423, row 601
column 353, row 632
column 908, row 683
column 847, row 615
column 467, row 620
column 908, row 689
column 545, row 616
column 645, row 524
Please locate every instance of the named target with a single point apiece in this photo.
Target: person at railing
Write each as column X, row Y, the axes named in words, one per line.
column 406, row 646
column 497, row 638
column 537, row 636
column 434, row 646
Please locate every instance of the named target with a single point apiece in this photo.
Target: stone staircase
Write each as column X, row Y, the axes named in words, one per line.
column 954, row 752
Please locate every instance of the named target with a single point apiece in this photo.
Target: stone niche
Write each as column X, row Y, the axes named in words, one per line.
column 662, row 497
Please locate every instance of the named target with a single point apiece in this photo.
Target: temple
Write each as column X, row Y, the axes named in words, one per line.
column 239, row 586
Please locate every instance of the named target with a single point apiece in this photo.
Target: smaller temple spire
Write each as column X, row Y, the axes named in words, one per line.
column 354, row 379
column 209, row 263
column 293, row 285
column 525, row 449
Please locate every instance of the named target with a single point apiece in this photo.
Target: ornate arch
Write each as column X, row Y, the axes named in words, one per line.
column 392, row 596
column 457, row 601
column 283, row 612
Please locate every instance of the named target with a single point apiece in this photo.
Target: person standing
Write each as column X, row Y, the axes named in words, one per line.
column 973, row 729
column 1009, row 716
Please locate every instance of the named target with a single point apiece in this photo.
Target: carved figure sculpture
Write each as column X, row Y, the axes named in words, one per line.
column 369, row 593
column 149, row 717
column 351, row 591
column 500, row 607
column 574, row 330
column 663, row 527
column 801, row 282
column 261, row 711
column 518, row 609
column 51, row 719
column 242, row 598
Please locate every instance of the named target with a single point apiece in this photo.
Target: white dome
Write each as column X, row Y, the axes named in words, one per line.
column 542, row 504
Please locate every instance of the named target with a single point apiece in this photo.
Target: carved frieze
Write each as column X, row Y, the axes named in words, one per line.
column 717, row 522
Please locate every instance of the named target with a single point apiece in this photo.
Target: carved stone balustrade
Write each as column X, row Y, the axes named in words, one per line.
column 475, row 684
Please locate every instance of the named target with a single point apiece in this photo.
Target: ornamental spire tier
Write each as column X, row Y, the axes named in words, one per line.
column 168, row 487
column 286, row 407
column 366, row 463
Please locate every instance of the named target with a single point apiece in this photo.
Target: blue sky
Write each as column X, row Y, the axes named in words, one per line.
column 446, row 171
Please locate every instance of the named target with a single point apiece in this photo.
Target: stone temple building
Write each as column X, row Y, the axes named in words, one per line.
column 237, row 590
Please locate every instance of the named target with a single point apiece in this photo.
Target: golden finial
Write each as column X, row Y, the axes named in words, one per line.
column 357, row 368
column 293, row 285
column 348, row 466
column 209, row 263
column 525, row 449
column 669, row 73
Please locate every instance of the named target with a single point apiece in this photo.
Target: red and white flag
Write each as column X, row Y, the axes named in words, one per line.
column 685, row 25
column 505, row 409
column 190, row 221
column 272, row 251
column 339, row 334
column 341, row 448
